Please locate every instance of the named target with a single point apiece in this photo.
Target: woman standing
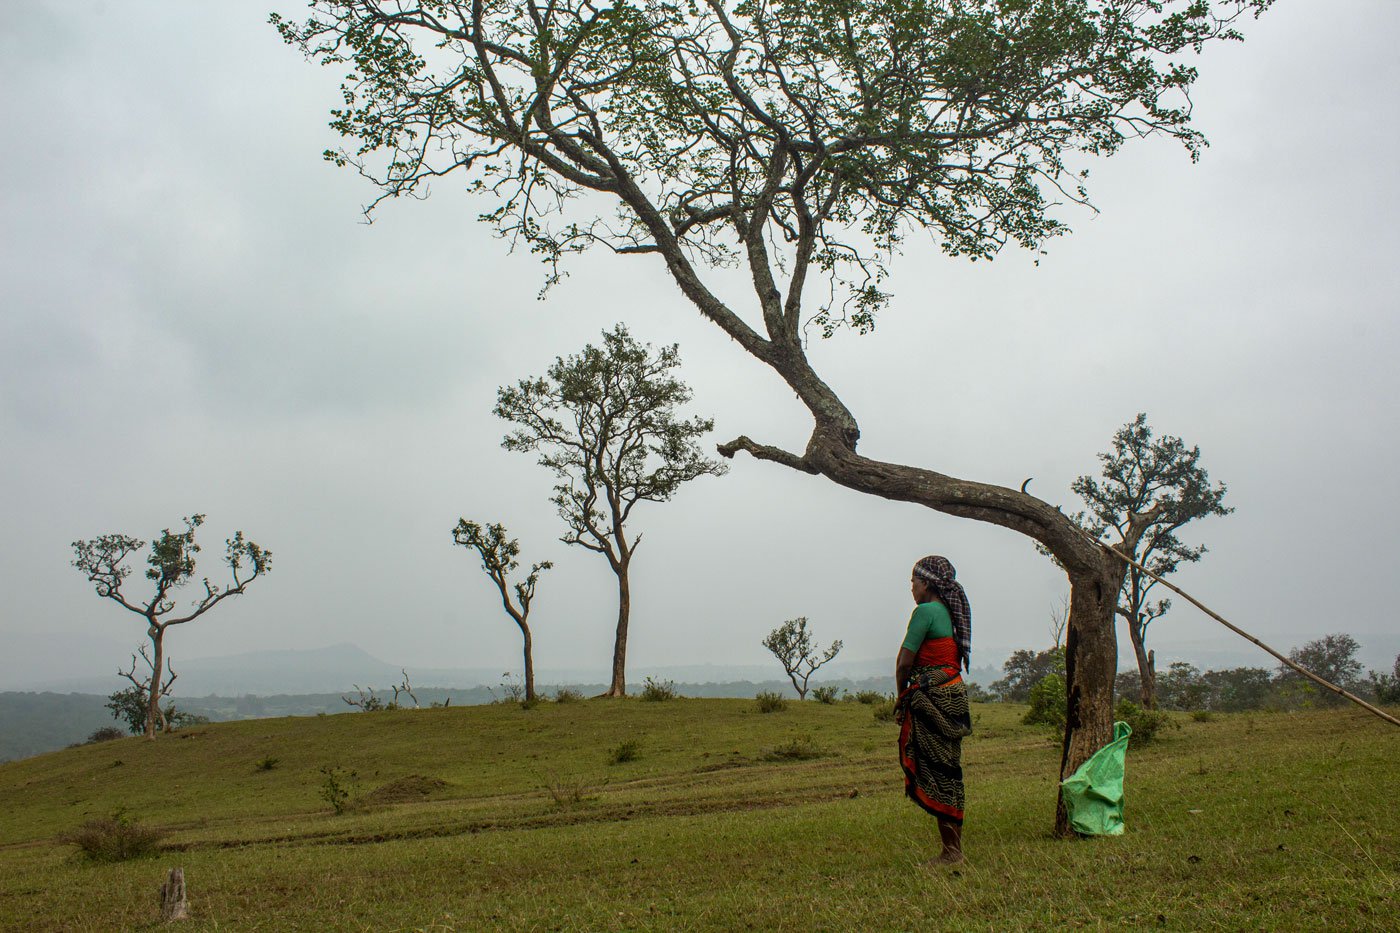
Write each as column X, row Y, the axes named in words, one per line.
column 932, row 707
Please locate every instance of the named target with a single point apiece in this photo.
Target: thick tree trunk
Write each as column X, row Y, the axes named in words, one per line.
column 153, row 691
column 624, row 612
column 1091, row 661
column 529, row 665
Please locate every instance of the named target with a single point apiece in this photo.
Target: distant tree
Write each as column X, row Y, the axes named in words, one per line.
column 607, row 422
column 1385, row 687
column 800, row 657
column 1148, row 490
column 1026, row 668
column 171, row 564
column 368, row 701
column 1183, row 688
column 1237, row 688
column 1331, row 657
column 498, row 553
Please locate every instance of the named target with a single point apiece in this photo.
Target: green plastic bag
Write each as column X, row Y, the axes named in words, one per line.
column 1093, row 794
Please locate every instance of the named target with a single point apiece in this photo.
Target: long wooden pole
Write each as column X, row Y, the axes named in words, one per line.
column 1241, row 632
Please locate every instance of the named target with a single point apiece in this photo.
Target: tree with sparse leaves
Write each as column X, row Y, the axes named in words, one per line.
column 170, row 565
column 607, row 422
column 1148, row 489
column 498, row 552
column 1331, row 657
column 801, row 141
column 800, row 657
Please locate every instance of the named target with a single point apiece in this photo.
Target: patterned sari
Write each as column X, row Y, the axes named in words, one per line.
column 936, row 717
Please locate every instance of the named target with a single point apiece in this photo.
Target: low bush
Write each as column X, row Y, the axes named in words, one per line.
column 105, row 734
column 1048, row 703
column 656, row 691
column 567, row 695
column 798, row 748
column 1203, row 715
column 1145, row 723
column 266, row 763
column 870, row 697
column 115, row 838
column 825, row 694
column 884, row 711
column 625, row 751
column 568, row 792
column 770, row 702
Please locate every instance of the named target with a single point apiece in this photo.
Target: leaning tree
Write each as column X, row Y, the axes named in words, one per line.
column 607, row 422
column 799, row 140
column 170, row 565
column 498, row 552
column 1147, row 490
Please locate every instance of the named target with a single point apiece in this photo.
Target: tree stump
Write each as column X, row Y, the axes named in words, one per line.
column 173, row 904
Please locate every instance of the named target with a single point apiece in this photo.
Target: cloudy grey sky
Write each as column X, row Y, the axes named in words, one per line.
column 194, row 318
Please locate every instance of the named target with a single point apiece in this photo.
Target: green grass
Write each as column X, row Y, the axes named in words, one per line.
column 500, row 818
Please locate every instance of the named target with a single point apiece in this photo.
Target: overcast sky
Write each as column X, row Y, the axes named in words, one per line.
column 193, row 317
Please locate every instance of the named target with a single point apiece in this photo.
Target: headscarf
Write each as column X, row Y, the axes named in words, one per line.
column 940, row 576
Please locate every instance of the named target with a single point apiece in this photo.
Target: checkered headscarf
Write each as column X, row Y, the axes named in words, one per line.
column 940, row 576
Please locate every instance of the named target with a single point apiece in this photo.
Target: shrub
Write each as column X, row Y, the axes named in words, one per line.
column 266, row 763
column 1385, row 687
column 1145, row 723
column 115, row 838
column 105, row 734
column 335, row 788
column 655, row 691
column 567, row 695
column 870, row 697
column 884, row 710
column 568, row 793
column 1047, row 699
column 628, row 750
column 1203, row 715
column 798, row 748
column 824, row 694
column 770, row 702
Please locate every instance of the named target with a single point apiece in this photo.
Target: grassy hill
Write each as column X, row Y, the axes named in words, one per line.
column 494, row 817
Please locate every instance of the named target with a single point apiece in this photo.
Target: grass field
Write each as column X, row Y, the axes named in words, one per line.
column 501, row 818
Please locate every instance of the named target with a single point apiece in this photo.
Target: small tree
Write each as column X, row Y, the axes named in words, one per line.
column 607, row 422
column 133, row 703
column 171, row 565
column 1146, row 492
column 800, row 657
column 498, row 554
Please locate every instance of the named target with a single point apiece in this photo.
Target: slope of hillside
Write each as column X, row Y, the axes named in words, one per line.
column 498, row 817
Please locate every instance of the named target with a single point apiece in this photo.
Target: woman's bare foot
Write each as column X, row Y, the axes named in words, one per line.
column 948, row 857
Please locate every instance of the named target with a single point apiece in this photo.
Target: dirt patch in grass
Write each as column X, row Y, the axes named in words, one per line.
column 406, row 789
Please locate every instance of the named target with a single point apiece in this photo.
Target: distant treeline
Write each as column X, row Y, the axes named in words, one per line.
column 34, row 723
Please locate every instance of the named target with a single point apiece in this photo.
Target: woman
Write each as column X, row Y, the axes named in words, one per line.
column 932, row 706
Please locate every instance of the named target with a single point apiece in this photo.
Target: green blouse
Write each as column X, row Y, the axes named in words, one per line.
column 930, row 620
